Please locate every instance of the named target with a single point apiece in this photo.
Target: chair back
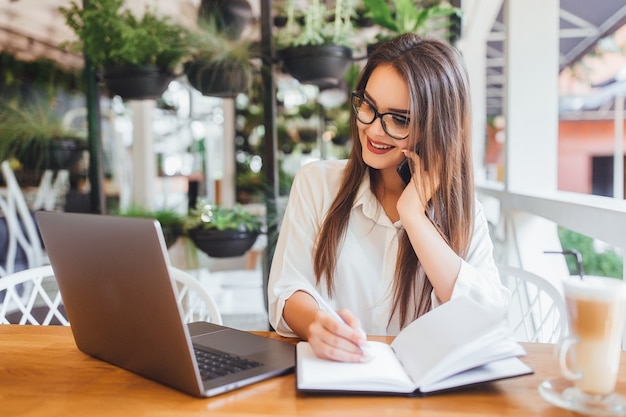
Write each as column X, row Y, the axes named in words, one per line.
column 537, row 311
column 196, row 302
column 21, row 227
column 51, row 189
column 31, row 296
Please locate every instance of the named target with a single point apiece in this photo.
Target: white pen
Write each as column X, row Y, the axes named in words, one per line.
column 326, row 307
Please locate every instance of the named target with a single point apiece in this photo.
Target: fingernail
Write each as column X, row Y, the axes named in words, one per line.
column 367, row 356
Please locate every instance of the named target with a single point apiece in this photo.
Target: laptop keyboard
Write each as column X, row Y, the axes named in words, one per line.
column 215, row 364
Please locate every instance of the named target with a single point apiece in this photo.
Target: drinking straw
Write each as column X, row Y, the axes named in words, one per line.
column 579, row 259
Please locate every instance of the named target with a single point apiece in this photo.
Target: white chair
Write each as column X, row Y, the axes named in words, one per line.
column 196, row 302
column 537, row 311
column 32, row 296
column 22, row 229
column 49, row 191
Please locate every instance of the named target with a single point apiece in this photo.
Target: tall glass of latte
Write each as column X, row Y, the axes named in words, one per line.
column 590, row 356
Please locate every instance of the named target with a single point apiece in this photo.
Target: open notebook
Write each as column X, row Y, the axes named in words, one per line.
column 455, row 345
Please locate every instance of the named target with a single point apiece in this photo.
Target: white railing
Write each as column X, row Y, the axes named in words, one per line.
column 525, row 225
column 598, row 217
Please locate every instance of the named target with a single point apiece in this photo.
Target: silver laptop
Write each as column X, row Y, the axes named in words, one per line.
column 113, row 274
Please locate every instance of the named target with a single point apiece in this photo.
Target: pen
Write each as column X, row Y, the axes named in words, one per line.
column 325, row 306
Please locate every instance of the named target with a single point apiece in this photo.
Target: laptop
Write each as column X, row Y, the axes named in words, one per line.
column 113, row 274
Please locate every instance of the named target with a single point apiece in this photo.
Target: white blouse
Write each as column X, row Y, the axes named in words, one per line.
column 366, row 263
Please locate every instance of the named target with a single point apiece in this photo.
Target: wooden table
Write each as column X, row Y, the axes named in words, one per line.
column 43, row 373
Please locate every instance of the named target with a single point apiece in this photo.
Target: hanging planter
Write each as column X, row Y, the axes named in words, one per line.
column 65, row 153
column 232, row 16
column 56, row 154
column 223, row 243
column 34, row 134
column 221, row 79
column 307, row 134
column 314, row 45
column 341, row 139
column 222, row 232
column 219, row 66
column 319, row 65
column 137, row 83
column 135, row 55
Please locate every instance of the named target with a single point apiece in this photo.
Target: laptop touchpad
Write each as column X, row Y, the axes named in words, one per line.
column 232, row 341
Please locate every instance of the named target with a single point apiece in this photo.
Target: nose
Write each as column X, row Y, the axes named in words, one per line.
column 376, row 127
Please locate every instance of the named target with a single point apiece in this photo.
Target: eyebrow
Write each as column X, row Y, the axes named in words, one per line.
column 399, row 111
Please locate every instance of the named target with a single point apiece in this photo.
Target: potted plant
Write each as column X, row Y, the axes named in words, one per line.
column 219, row 66
column 232, row 16
column 33, row 133
column 249, row 185
column 220, row 231
column 339, row 124
column 136, row 56
column 396, row 17
column 249, row 178
column 285, row 140
column 314, row 47
column 19, row 78
column 171, row 221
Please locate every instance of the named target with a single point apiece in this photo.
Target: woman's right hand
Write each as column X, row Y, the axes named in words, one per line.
column 338, row 341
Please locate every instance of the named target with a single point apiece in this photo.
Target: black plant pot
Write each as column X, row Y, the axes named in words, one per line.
column 280, row 21
column 287, row 148
column 371, row 47
column 137, row 83
column 341, row 139
column 216, row 80
column 361, row 20
column 223, row 243
column 321, row 65
column 65, row 153
column 308, row 135
column 59, row 154
column 232, row 16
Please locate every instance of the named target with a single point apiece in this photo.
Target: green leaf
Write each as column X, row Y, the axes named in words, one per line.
column 380, row 13
column 210, row 216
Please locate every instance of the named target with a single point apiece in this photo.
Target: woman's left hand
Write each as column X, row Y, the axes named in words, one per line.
column 419, row 190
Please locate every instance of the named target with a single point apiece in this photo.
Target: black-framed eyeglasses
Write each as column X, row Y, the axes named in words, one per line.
column 394, row 124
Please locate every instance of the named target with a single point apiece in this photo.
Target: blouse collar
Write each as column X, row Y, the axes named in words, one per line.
column 371, row 207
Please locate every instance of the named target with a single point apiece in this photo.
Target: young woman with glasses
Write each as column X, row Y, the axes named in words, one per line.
column 356, row 238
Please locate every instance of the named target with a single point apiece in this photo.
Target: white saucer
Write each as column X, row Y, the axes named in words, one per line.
column 562, row 393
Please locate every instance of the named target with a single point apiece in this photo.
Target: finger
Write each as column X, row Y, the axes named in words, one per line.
column 421, row 176
column 339, row 334
column 330, row 352
column 358, row 336
column 327, row 343
column 361, row 340
column 410, row 154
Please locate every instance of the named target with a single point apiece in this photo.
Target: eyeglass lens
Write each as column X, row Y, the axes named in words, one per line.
column 395, row 125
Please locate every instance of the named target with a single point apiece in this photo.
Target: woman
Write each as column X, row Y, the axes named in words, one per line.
column 382, row 252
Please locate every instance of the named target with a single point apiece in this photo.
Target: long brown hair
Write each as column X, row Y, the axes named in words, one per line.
column 441, row 118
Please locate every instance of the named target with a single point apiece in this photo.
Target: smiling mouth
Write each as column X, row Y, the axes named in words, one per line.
column 381, row 146
column 378, row 147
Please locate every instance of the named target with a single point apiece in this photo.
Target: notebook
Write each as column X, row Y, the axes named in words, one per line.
column 113, row 275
